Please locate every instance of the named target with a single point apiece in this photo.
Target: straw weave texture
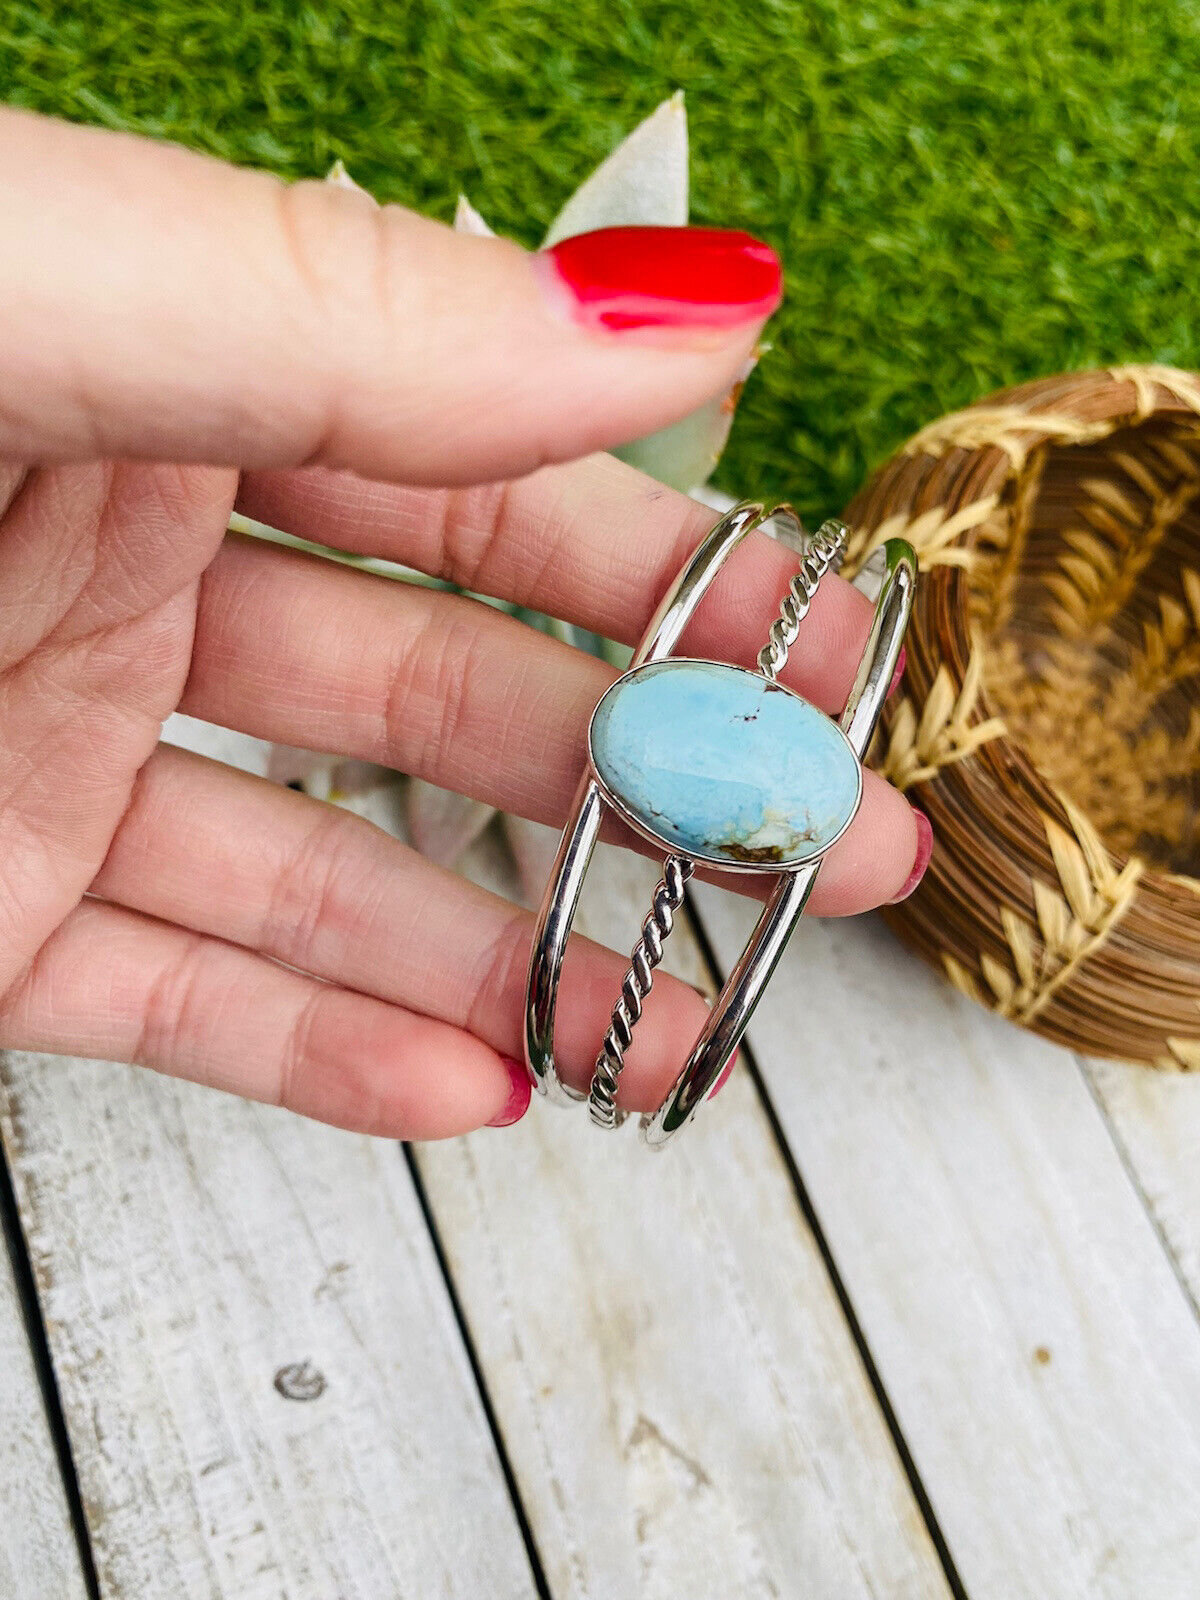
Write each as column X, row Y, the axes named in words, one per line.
column 1049, row 718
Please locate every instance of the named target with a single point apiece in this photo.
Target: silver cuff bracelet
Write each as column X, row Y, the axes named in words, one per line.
column 723, row 768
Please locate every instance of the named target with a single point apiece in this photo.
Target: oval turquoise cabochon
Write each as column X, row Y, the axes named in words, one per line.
column 718, row 763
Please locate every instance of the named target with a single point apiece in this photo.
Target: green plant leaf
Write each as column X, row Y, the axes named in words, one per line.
column 685, row 454
column 643, row 182
column 468, row 220
column 341, row 179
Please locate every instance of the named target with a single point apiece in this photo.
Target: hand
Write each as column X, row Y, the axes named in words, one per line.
column 178, row 337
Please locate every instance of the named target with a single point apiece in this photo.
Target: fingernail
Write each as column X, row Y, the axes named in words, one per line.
column 899, row 672
column 924, row 851
column 622, row 278
column 519, row 1092
column 724, row 1078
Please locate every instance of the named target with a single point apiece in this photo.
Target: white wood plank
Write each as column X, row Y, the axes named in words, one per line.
column 196, row 1257
column 38, row 1555
column 1041, row 1357
column 679, row 1393
column 1155, row 1119
column 766, row 1429
column 680, row 1398
column 38, row 1558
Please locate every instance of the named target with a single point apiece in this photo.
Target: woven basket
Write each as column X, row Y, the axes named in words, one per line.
column 1049, row 720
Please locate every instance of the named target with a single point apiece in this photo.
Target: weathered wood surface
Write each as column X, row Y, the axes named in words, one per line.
column 204, row 1264
column 1030, row 1331
column 262, row 1376
column 1155, row 1120
column 678, row 1392
column 766, row 1428
column 684, row 1408
column 38, row 1557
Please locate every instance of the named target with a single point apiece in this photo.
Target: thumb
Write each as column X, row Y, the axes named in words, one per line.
column 157, row 303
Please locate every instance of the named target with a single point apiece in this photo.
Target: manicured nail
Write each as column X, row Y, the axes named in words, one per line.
column 519, row 1092
column 724, row 1078
column 620, row 278
column 924, row 851
column 899, row 672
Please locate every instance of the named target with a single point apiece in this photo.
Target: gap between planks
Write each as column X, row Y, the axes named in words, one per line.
column 189, row 1246
column 44, row 1553
column 1026, row 1323
column 1154, row 1120
column 977, row 1223
column 808, row 1210
column 680, row 1395
column 263, row 1379
column 265, row 1389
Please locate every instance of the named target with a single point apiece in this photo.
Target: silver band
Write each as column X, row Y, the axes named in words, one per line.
column 894, row 565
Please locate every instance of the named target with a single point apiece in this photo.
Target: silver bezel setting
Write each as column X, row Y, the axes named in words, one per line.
column 721, row 863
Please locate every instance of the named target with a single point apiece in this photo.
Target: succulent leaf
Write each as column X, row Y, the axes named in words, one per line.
column 341, row 179
column 324, row 777
column 643, row 182
column 468, row 220
column 685, row 454
column 441, row 824
column 533, row 847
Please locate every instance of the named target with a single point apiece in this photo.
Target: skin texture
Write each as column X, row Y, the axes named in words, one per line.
column 181, row 337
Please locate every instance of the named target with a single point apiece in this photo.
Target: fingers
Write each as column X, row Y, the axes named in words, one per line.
column 229, row 855
column 99, row 563
column 594, row 542
column 161, row 304
column 307, row 653
column 112, row 984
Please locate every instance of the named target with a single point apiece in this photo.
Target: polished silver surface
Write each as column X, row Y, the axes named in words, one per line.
column 893, row 566
column 550, row 941
column 689, row 588
column 575, row 849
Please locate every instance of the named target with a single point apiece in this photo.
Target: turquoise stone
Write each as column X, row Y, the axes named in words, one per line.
column 720, row 764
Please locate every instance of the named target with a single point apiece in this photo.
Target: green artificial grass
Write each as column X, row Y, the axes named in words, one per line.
column 965, row 193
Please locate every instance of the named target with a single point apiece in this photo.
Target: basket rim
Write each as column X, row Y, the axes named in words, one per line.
column 1013, row 421
column 1025, row 907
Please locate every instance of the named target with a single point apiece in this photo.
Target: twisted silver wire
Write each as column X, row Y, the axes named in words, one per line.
column 822, row 554
column 647, row 953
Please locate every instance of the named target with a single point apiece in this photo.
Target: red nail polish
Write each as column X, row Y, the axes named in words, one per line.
column 520, row 1090
column 668, row 277
column 924, row 852
column 724, row 1078
column 899, row 672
